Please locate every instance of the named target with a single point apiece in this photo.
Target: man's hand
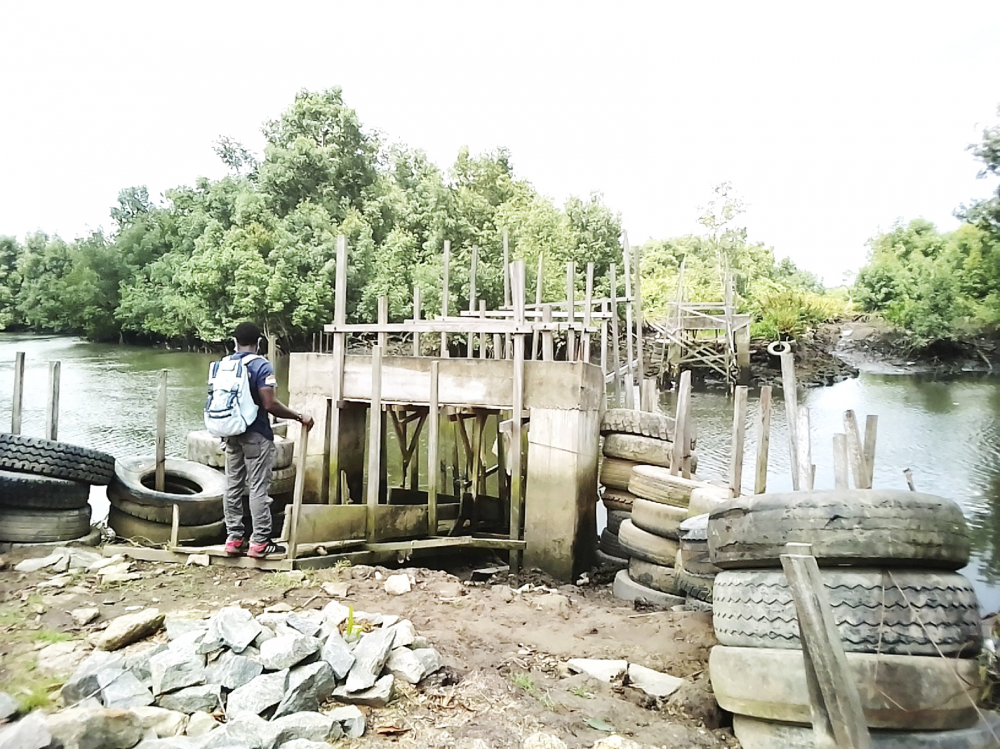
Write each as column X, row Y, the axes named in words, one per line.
column 306, row 420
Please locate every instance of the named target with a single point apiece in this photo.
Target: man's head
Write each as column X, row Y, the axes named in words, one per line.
column 246, row 334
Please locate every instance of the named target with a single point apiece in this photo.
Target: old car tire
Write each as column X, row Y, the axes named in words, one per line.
column 616, row 473
column 897, row 691
column 30, row 492
column 204, row 448
column 609, row 561
column 43, row 526
column 706, row 499
column 658, row 518
column 189, row 513
column 628, row 590
column 901, row 612
column 618, row 499
column 59, row 460
column 657, row 484
column 609, row 544
column 640, row 423
column 615, row 519
column 857, row 526
column 158, row 534
column 282, row 482
column 188, row 482
column 655, row 576
column 647, row 546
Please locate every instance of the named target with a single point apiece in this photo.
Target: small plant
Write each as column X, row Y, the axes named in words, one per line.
column 581, row 692
column 546, row 701
column 525, row 682
column 342, row 564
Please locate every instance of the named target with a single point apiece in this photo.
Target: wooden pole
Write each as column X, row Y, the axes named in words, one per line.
column 840, row 479
column 854, row 450
column 18, row 399
column 160, row 479
column 615, row 358
column 909, row 479
column 637, row 301
column 483, row 347
column 604, row 345
column 444, row 296
column 175, row 524
column 548, row 345
column 374, row 441
column 739, row 438
column 629, row 361
column 570, row 310
column 649, row 395
column 837, row 716
column 52, row 412
column 506, row 270
column 804, row 439
column 472, row 294
column 324, row 476
column 432, row 451
column 416, row 318
column 536, row 341
column 587, row 303
column 383, row 319
column 763, row 440
column 516, row 487
column 790, row 393
column 681, row 450
column 339, row 352
column 302, row 449
column 871, row 433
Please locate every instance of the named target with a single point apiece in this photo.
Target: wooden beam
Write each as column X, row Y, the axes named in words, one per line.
column 615, row 358
column 536, row 342
column 432, row 451
column 763, row 440
column 17, row 400
column 871, row 434
column 516, row 485
column 339, row 353
column 708, row 322
column 160, row 474
column 472, row 294
column 416, row 319
column 548, row 345
column 444, row 296
column 52, row 409
column 629, row 361
column 789, row 391
column 804, row 439
column 840, row 477
column 738, row 441
column 374, row 441
column 302, row 446
column 680, row 449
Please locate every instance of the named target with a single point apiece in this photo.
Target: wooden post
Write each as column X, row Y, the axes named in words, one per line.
column 506, row 270
column 18, row 399
column 516, row 485
column 175, row 524
column 570, row 311
column 339, row 351
column 802, row 436
column 536, row 340
column 483, row 347
column 837, row 716
column 680, row 424
column 383, row 320
column 629, row 361
column 637, row 301
column 871, row 432
column 302, row 448
column 472, row 293
column 444, row 296
column 374, row 441
column 649, row 396
column 548, row 345
column 854, row 450
column 52, row 412
column 763, row 440
column 840, row 479
column 739, row 437
column 432, row 451
column 909, row 479
column 588, row 301
column 416, row 318
column 604, row 344
column 790, row 393
column 615, row 358
column 324, row 476
column 160, row 477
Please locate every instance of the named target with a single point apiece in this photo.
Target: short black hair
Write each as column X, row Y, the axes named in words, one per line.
column 246, row 334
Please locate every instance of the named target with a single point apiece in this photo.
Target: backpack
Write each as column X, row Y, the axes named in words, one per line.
column 230, row 409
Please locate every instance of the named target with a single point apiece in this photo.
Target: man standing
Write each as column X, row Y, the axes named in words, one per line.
column 250, row 456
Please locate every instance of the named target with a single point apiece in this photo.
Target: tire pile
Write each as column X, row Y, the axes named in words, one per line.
column 45, row 488
column 693, row 570
column 631, row 438
column 888, row 560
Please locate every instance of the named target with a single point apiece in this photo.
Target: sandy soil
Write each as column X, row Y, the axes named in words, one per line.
column 505, row 650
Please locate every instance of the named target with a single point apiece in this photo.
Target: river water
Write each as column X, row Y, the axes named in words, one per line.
column 947, row 431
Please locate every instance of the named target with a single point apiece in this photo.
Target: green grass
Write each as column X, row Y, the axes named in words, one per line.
column 525, row 682
column 32, row 690
column 581, row 692
column 285, row 581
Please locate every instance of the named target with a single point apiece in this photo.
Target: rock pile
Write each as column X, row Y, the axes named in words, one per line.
column 268, row 675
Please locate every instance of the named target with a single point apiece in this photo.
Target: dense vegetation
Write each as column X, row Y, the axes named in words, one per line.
column 260, row 243
column 940, row 285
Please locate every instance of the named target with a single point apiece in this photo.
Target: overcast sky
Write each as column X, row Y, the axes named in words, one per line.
column 832, row 120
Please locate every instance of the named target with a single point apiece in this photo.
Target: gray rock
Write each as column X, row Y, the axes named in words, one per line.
column 308, row 687
column 430, row 658
column 40, row 563
column 378, row 695
column 285, row 651
column 173, row 742
column 305, row 744
column 271, row 621
column 420, row 642
column 653, row 682
column 601, row 669
column 84, row 616
column 351, row 720
column 178, row 625
column 543, row 741
column 83, row 682
column 138, row 663
column 235, row 626
column 31, row 732
column 188, row 642
column 265, row 635
column 120, row 689
column 176, row 669
column 162, row 722
column 338, row 654
column 201, row 723
column 310, row 726
column 8, row 707
column 95, row 728
column 258, row 695
column 126, row 629
column 404, row 664
column 81, row 559
column 61, row 658
column 233, row 671
column 370, row 655
column 243, row 731
column 300, row 623
column 404, row 633
column 205, row 698
column 335, row 613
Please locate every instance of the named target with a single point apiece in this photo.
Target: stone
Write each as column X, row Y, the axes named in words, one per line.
column 200, row 723
column 362, row 571
column 60, row 581
column 404, row 633
column 556, row 603
column 204, row 697
column 420, row 642
column 189, row 642
column 543, row 741
column 8, row 707
column 370, row 655
column 308, row 687
column 278, row 608
column 83, row 617
column 305, row 744
column 378, row 695
column 31, row 732
column 295, row 575
column 271, row 621
column 335, row 613
column 138, row 663
column 235, row 627
column 161, row 721
column 175, row 669
column 258, row 695
column 118, row 577
column 652, row 682
column 40, row 563
column 95, row 728
column 83, row 682
column 121, row 568
column 337, row 589
column 105, row 562
column 601, row 669
column 120, row 689
column 285, row 651
column 503, row 592
column 129, row 628
column 397, row 585
column 696, row 703
column 177, row 626
column 60, row 658
column 404, row 664
column 338, row 654
column 430, row 658
column 82, row 559
column 351, row 720
column 308, row 627
column 616, row 742
column 242, row 731
column 233, row 671
column 199, row 560
column 449, row 590
column 308, row 725
column 265, row 635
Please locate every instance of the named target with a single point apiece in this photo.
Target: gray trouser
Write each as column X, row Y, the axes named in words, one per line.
column 249, row 457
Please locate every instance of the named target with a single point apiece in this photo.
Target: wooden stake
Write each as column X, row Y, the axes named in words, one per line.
column 160, row 477
column 506, row 271
column 302, row 449
column 52, row 411
column 790, row 393
column 339, row 352
column 629, row 361
column 840, row 478
column 175, row 524
column 587, row 304
column 516, row 487
column 763, row 440
column 536, row 343
column 615, row 358
column 324, row 476
column 483, row 348
column 637, row 301
column 383, row 319
column 604, row 344
column 681, row 450
column 649, row 396
column 909, row 479
column 374, row 440
column 416, row 318
column 432, row 451
column 803, row 437
column 472, row 293
column 871, row 433
column 444, row 296
column 739, row 438
column 18, row 399
column 570, row 310
column 854, row 450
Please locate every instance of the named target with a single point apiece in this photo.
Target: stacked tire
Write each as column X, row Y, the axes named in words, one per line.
column 693, row 570
column 631, row 438
column 45, row 489
column 888, row 561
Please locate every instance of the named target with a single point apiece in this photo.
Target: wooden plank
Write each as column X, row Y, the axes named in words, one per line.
column 175, row 523
column 324, row 474
column 445, row 542
column 432, row 451
column 548, row 344
column 615, row 358
column 374, row 441
column 506, row 269
column 570, row 310
column 871, row 434
column 472, row 293
column 463, row 325
column 838, row 718
column 516, row 485
column 324, row 523
column 160, row 472
column 840, row 477
column 789, row 390
column 536, row 341
column 383, row 321
column 649, row 396
column 339, row 352
column 629, row 361
column 483, row 347
column 17, row 400
column 637, row 301
column 52, row 409
column 416, row 319
column 854, row 449
column 302, row 448
column 763, row 440
column 708, row 322
column 587, row 310
column 804, row 440
column 680, row 423
column 738, row 441
column 444, row 296
column 604, row 341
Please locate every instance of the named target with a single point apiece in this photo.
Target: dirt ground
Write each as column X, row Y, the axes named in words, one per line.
column 504, row 642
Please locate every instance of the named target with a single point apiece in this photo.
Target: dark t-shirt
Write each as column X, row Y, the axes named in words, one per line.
column 261, row 376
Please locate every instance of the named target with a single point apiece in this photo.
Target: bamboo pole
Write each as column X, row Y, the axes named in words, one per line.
column 472, row 294
column 18, row 398
column 52, row 411
column 339, row 350
column 763, row 440
column 615, row 358
column 432, row 451
column 739, row 438
column 374, row 441
column 416, row 318
column 302, row 448
column 160, row 477
column 444, row 296
column 789, row 391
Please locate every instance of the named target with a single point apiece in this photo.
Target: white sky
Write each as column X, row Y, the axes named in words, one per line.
column 830, row 119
